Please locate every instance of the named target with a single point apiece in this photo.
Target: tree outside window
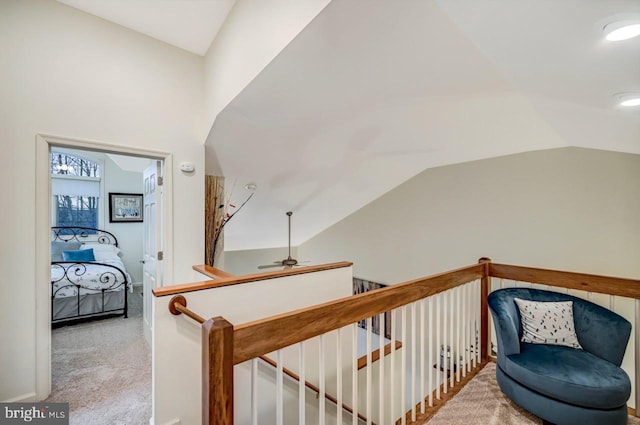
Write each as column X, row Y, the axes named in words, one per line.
column 76, row 183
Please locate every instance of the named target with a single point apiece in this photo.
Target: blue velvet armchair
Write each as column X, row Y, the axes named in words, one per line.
column 563, row 385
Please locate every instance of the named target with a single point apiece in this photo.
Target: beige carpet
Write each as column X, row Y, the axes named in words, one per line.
column 481, row 402
column 103, row 370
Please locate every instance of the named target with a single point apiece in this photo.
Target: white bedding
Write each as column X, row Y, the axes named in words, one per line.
column 91, row 277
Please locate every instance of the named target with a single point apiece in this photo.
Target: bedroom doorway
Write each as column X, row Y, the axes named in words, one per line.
column 110, row 204
column 154, row 235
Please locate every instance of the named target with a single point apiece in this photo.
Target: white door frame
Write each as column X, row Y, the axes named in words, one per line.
column 44, row 143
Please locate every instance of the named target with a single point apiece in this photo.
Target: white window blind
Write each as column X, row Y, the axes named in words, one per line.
column 85, row 186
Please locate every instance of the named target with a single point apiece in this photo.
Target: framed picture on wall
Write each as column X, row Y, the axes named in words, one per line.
column 125, row 207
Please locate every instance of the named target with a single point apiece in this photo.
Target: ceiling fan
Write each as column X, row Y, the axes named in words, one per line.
column 288, row 262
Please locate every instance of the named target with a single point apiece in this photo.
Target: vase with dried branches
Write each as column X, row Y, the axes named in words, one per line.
column 218, row 212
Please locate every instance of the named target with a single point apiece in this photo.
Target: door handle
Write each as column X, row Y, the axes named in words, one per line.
column 142, row 261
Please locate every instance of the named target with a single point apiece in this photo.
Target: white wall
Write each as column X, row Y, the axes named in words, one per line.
column 129, row 234
column 254, row 32
column 247, row 261
column 177, row 339
column 569, row 209
column 71, row 74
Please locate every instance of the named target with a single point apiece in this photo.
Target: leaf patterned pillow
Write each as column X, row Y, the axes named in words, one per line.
column 548, row 322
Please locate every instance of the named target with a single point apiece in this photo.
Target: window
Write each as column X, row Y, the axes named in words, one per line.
column 64, row 164
column 75, row 186
column 79, row 211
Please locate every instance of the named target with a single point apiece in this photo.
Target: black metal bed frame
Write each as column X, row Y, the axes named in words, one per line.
column 74, row 270
column 82, row 234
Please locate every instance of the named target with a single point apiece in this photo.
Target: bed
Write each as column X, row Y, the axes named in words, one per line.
column 88, row 277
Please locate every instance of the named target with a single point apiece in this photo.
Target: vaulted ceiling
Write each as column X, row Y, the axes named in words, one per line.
column 188, row 24
column 372, row 92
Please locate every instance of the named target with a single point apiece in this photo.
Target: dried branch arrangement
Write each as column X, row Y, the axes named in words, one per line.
column 218, row 212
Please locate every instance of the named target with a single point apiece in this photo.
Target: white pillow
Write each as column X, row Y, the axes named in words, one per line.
column 105, row 247
column 102, row 251
column 548, row 322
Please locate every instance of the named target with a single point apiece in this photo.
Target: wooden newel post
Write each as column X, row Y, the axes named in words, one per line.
column 217, row 372
column 485, row 285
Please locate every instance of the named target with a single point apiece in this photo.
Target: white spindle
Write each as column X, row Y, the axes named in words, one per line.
column 339, row 377
column 254, row 391
column 452, row 338
column 279, row 389
column 437, row 314
column 471, row 319
column 430, row 362
column 467, row 338
column 392, row 374
column 414, row 342
column 472, row 324
column 381, row 345
column 477, row 306
column 463, row 318
column 445, row 312
column 321, row 396
column 458, row 326
column 403, row 368
column 301, row 385
column 354, row 373
column 369, row 367
column 423, row 339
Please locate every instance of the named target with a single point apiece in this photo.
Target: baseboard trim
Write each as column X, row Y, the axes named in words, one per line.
column 174, row 421
column 137, row 284
column 22, row 398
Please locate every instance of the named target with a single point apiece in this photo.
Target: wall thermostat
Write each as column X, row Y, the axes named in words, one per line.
column 187, row 167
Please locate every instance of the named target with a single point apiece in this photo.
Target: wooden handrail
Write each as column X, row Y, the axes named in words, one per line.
column 263, row 336
column 212, row 272
column 235, row 280
column 312, row 387
column 255, row 339
column 178, row 305
column 585, row 282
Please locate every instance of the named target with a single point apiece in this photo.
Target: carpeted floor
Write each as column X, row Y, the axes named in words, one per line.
column 481, row 402
column 103, row 369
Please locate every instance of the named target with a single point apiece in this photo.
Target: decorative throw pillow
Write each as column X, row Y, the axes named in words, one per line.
column 103, row 252
column 548, row 322
column 79, row 255
column 58, row 246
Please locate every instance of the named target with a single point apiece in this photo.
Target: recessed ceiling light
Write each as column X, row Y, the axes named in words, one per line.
column 628, row 99
column 623, row 30
column 631, row 102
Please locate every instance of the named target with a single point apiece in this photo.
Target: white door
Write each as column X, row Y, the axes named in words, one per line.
column 152, row 249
